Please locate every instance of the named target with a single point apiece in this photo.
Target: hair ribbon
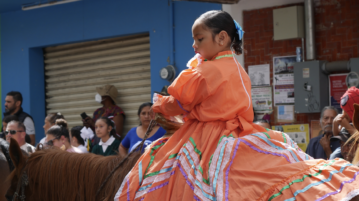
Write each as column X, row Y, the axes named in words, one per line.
column 239, row 30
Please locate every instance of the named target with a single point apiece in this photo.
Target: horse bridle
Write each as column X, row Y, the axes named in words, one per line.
column 22, row 183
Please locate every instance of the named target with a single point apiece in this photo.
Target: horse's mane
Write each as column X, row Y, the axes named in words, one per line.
column 59, row 175
column 354, row 141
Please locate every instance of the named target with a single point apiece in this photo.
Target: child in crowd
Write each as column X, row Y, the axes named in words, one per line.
column 105, row 130
column 77, row 140
column 58, row 136
column 219, row 153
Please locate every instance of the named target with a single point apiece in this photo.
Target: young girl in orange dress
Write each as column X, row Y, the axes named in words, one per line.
column 219, row 154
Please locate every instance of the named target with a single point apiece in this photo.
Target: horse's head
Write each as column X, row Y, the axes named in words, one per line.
column 19, row 158
column 353, row 142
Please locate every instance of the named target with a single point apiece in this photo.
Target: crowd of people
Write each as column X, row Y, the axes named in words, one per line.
column 101, row 134
column 333, row 141
column 335, row 138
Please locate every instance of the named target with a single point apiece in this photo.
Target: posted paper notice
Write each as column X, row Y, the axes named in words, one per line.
column 259, row 74
column 285, row 112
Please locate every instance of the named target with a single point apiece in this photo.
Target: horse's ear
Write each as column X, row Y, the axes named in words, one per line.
column 15, row 152
column 356, row 116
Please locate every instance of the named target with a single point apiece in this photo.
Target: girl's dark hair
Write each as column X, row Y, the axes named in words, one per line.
column 147, row 104
column 109, row 122
column 59, row 129
column 218, row 21
column 76, row 132
column 55, row 116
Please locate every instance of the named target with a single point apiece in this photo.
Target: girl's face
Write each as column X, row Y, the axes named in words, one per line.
column 204, row 42
column 47, row 124
column 145, row 115
column 102, row 129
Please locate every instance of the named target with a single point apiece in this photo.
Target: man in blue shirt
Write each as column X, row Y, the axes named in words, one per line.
column 322, row 146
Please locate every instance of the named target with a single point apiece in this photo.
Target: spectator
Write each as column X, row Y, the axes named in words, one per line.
column 107, row 96
column 16, row 130
column 342, row 122
column 58, row 136
column 322, row 146
column 5, row 121
column 13, row 102
column 347, row 101
column 50, row 120
column 77, row 140
column 344, row 150
column 105, row 130
column 263, row 123
column 135, row 136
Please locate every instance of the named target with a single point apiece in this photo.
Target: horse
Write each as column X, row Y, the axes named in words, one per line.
column 54, row 174
column 6, row 166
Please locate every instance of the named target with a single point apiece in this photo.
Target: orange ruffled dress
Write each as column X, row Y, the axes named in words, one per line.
column 219, row 154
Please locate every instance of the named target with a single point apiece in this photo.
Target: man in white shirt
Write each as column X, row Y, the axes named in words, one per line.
column 13, row 102
column 16, row 130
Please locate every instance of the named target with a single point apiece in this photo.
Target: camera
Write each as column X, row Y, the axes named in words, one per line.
column 84, row 115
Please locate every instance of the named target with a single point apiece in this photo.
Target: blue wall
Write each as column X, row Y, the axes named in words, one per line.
column 25, row 33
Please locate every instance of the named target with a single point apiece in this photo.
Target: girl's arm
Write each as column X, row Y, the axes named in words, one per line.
column 188, row 90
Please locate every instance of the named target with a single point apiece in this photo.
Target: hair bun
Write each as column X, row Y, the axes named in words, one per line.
column 61, row 122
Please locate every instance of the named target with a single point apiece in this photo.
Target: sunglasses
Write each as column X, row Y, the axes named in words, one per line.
column 51, row 142
column 12, row 132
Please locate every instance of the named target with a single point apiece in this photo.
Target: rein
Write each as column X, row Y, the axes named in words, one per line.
column 153, row 123
column 21, row 184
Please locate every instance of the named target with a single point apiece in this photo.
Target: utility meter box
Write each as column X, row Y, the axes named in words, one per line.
column 311, row 87
column 288, row 23
column 353, row 77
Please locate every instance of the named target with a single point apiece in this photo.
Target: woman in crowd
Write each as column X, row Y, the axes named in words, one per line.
column 107, row 96
column 105, row 130
column 136, row 134
column 50, row 120
column 58, row 136
column 77, row 140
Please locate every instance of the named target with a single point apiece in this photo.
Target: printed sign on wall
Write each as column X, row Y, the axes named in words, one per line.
column 262, row 98
column 283, row 80
column 299, row 133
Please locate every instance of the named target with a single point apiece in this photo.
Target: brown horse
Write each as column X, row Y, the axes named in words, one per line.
column 353, row 141
column 54, row 174
column 5, row 167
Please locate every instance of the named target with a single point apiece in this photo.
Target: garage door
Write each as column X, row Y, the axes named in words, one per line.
column 74, row 71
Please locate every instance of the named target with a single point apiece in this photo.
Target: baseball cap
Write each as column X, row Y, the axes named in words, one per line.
column 108, row 90
column 347, row 101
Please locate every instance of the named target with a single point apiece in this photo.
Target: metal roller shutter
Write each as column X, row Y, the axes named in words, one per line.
column 74, row 71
